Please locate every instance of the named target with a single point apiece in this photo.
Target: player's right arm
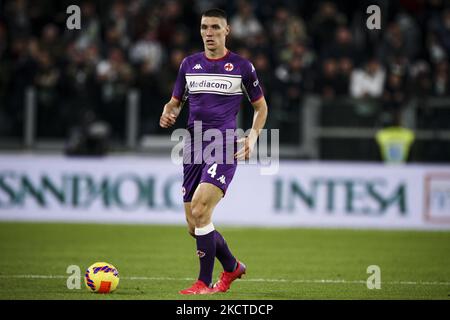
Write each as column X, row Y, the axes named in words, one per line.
column 170, row 113
column 173, row 107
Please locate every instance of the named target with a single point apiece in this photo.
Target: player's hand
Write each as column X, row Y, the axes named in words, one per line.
column 245, row 152
column 167, row 120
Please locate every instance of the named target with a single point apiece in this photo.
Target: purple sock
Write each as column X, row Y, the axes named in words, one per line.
column 223, row 253
column 206, row 250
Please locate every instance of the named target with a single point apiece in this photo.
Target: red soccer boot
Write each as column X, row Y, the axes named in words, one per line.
column 199, row 287
column 226, row 278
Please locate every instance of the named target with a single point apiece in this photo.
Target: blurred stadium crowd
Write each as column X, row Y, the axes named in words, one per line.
column 298, row 47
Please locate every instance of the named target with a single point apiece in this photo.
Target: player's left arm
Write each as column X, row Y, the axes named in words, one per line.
column 259, row 120
column 255, row 95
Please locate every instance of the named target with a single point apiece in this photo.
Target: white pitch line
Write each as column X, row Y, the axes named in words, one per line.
column 332, row 281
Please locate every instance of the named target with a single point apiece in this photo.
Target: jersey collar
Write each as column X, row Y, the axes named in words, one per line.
column 217, row 59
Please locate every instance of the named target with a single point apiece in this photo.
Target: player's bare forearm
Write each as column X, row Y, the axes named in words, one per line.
column 259, row 120
column 170, row 113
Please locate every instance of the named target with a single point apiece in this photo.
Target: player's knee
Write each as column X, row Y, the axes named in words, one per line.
column 191, row 227
column 199, row 210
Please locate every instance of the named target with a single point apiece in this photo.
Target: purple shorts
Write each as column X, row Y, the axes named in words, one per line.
column 198, row 168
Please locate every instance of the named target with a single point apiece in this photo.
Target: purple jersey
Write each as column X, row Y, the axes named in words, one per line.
column 215, row 88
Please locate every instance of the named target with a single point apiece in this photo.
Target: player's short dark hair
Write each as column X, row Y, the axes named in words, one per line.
column 215, row 12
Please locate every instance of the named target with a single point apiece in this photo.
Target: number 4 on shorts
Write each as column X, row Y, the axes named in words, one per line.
column 212, row 170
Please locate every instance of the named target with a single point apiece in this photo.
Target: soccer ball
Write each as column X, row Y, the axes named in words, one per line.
column 101, row 277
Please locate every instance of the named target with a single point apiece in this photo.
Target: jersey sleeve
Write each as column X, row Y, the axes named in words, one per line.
column 180, row 82
column 250, row 82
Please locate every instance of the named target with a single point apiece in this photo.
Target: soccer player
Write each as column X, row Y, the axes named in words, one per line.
column 214, row 81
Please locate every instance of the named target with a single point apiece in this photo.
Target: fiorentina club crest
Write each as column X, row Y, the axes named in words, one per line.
column 228, row 66
column 201, row 254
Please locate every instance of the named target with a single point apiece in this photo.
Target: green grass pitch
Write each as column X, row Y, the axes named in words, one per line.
column 155, row 262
